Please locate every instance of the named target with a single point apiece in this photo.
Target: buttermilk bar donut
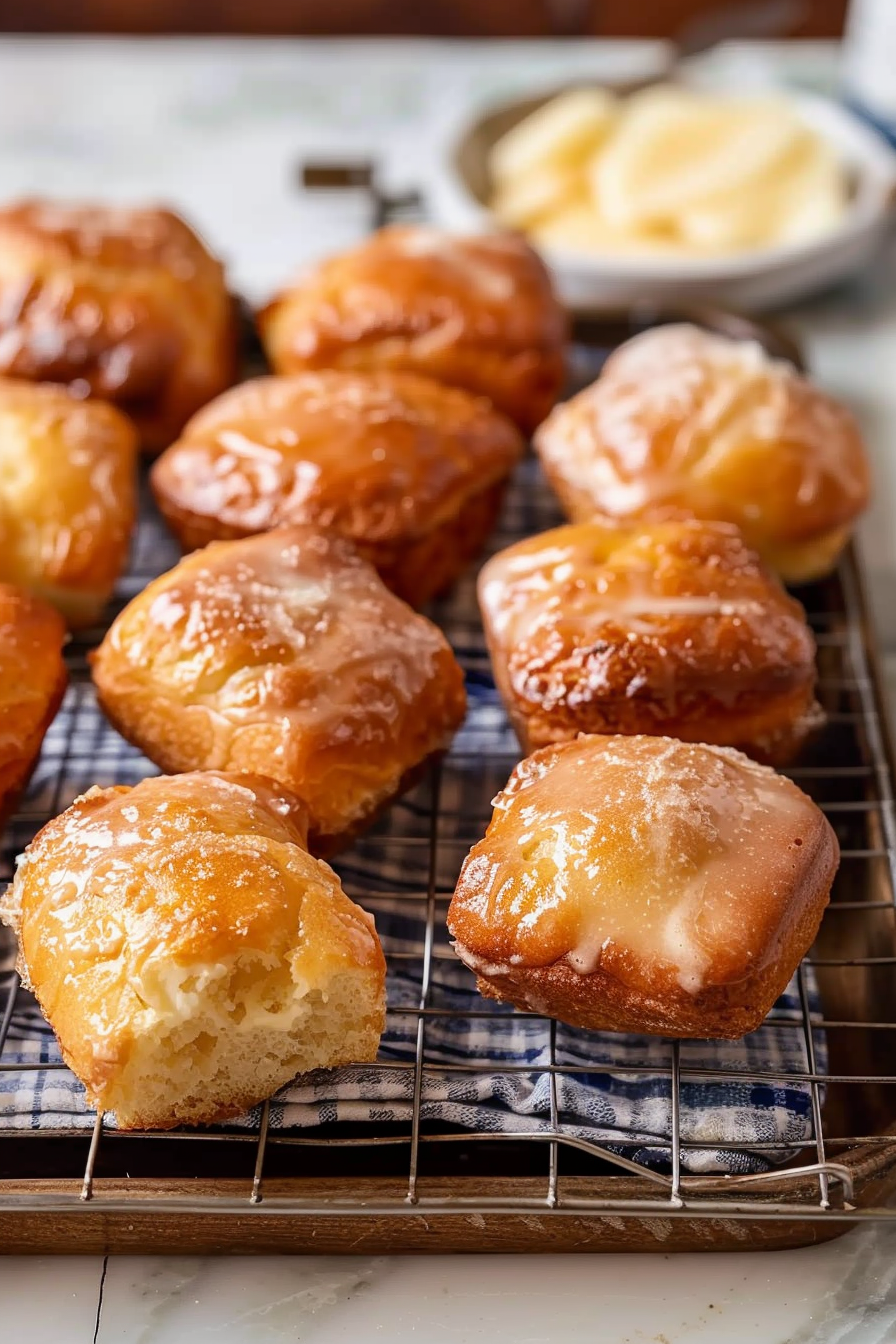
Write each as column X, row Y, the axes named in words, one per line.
column 67, row 496
column 123, row 304
column 413, row 471
column 644, row 884
column 32, row 683
column 682, row 421
column 674, row 629
column 190, row 954
column 476, row 312
column 284, row 654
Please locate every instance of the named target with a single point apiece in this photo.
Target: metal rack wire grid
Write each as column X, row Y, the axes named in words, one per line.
column 839, row 1021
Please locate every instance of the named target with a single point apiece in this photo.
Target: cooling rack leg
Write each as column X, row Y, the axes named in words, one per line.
column 823, row 1188
column 429, row 937
column 675, row 1083
column 87, row 1183
column 255, row 1197
column 553, row 1148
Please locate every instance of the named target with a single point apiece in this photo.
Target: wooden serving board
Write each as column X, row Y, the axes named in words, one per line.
column 180, row 1217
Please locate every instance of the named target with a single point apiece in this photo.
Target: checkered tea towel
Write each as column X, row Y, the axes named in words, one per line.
column 488, row 1073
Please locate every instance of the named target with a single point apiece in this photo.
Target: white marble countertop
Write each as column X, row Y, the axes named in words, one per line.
column 217, row 128
column 840, row 1293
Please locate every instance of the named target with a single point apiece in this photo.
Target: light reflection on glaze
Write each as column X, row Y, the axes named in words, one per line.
column 681, row 614
column 684, row 419
column 381, row 456
column 283, row 652
column 652, row 859
column 67, row 494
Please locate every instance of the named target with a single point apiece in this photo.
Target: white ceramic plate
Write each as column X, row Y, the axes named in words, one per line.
column 751, row 281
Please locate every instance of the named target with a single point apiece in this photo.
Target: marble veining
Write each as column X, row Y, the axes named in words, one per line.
column 841, row 1293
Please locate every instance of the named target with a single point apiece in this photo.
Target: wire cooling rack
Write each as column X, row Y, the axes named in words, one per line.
column 417, row 1183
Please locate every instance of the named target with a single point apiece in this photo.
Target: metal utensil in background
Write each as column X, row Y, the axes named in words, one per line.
column 361, row 175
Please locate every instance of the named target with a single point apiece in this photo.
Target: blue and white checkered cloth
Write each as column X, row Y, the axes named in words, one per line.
column 622, row 1101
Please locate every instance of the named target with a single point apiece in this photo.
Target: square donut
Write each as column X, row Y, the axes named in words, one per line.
column 284, row 655
column 687, row 422
column 122, row 303
column 476, row 311
column 32, row 683
column 641, row 884
column 68, row 496
column 412, row 472
column 674, row 629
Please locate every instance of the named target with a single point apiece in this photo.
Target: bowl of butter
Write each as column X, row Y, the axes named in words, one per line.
column 667, row 192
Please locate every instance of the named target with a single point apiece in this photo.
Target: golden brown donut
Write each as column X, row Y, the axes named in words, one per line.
column 190, row 954
column 644, row 884
column 412, row 471
column 476, row 312
column 284, row 654
column 682, row 421
column 32, row 684
column 675, row 630
column 67, row 496
column 124, row 304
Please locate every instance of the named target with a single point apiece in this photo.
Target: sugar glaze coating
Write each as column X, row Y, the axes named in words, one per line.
column 674, row 629
column 183, row 943
column 121, row 303
column 473, row 311
column 643, row 883
column 68, row 496
column 283, row 654
column 685, row 422
column 390, row 459
column 32, row 683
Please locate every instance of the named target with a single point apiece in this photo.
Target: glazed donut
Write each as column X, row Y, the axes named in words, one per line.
column 476, row 312
column 412, row 471
column 674, row 629
column 32, row 683
column 123, row 304
column 683, row 422
column 284, row 654
column 67, row 496
column 642, row 884
column 190, row 954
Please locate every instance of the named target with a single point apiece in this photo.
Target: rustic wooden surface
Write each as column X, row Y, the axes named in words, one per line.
column 144, row 1227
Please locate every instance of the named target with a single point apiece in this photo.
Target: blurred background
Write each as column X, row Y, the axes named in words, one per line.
column 700, row 21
